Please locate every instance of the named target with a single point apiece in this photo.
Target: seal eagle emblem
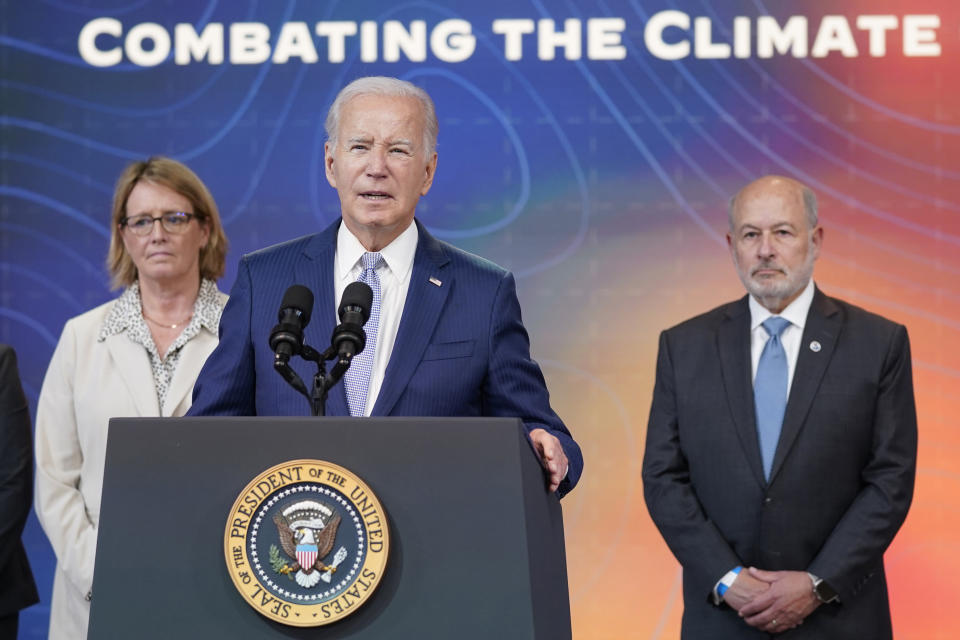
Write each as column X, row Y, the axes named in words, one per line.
column 306, row 543
column 307, row 532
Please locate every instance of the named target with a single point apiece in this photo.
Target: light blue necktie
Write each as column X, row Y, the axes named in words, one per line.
column 770, row 391
column 357, row 378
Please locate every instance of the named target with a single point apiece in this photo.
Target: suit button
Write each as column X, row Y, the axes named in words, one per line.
column 767, row 500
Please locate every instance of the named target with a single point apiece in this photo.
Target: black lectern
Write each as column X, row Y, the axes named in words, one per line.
column 476, row 542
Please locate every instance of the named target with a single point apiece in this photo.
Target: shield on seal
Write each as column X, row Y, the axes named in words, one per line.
column 306, row 556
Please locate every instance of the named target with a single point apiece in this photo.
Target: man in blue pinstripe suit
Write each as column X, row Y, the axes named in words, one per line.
column 449, row 339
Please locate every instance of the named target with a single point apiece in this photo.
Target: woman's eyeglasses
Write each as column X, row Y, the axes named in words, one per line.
column 172, row 222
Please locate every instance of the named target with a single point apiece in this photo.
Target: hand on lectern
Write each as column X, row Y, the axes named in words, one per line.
column 551, row 455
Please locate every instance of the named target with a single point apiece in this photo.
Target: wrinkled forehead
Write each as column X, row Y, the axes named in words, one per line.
column 769, row 204
column 382, row 117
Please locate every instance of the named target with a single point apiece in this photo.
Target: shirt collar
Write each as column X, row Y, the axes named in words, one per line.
column 208, row 308
column 127, row 312
column 398, row 255
column 796, row 311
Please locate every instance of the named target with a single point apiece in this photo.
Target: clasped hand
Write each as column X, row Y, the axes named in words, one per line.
column 773, row 601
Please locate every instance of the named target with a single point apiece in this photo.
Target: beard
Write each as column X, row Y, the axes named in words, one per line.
column 776, row 293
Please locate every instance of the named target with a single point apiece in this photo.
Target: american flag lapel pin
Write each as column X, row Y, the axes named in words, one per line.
column 435, row 281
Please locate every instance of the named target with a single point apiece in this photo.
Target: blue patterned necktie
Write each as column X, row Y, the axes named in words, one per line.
column 357, row 378
column 770, row 391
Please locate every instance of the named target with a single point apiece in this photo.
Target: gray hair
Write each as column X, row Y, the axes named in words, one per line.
column 809, row 205
column 385, row 86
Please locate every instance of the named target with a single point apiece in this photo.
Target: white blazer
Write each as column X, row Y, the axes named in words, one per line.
column 89, row 382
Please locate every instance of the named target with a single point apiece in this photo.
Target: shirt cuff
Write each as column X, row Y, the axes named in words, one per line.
column 818, row 592
column 724, row 583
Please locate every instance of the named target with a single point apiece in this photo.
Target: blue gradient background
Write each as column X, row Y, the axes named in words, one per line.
column 602, row 185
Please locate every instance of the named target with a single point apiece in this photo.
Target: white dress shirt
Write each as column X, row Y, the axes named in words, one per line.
column 796, row 313
column 394, row 276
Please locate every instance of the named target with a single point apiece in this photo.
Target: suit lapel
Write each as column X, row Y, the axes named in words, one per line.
column 133, row 363
column 733, row 343
column 824, row 323
column 315, row 271
column 421, row 311
column 192, row 357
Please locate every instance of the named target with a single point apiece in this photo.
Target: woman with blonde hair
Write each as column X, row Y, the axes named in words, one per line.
column 137, row 355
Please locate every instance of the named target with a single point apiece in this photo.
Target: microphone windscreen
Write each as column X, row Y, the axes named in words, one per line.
column 300, row 298
column 357, row 294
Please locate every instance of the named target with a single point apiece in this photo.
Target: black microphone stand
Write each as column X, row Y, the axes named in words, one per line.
column 322, row 381
column 348, row 339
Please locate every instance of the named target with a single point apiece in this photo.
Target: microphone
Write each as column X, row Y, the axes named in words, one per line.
column 349, row 338
column 286, row 338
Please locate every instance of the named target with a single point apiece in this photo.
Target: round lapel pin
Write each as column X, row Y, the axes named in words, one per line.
column 815, row 346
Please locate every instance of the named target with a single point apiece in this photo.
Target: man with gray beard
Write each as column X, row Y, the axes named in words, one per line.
column 782, row 441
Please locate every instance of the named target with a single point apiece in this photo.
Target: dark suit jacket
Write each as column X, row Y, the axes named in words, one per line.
column 17, row 589
column 842, row 477
column 461, row 348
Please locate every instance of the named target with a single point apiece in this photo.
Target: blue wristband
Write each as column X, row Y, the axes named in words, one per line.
column 727, row 580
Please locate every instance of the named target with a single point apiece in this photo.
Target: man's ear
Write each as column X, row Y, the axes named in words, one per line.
column 816, row 237
column 428, row 177
column 328, row 164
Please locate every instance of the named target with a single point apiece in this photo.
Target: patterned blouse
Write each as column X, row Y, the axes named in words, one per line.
column 127, row 315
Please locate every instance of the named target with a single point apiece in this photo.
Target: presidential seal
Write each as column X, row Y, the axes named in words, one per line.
column 306, row 543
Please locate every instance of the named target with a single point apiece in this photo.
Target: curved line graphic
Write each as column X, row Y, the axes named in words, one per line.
column 823, row 120
column 936, row 290
column 39, row 127
column 118, row 111
column 934, row 263
column 864, row 100
column 632, row 469
column 30, row 323
column 565, row 144
column 50, row 284
column 272, row 140
column 677, row 147
column 58, row 56
column 62, row 248
column 797, row 171
column 261, row 167
column 642, row 148
column 130, row 112
column 679, row 107
column 185, row 155
column 895, row 250
column 93, row 11
column 244, row 104
column 56, row 205
column 676, row 588
column 936, row 368
column 906, row 309
column 821, row 151
column 518, row 147
column 81, row 178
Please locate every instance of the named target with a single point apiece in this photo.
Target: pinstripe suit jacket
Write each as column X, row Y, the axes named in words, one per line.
column 461, row 348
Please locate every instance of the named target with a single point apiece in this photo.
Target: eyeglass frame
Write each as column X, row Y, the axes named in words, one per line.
column 125, row 222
